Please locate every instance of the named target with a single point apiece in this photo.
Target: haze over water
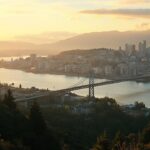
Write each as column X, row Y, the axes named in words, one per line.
column 124, row 93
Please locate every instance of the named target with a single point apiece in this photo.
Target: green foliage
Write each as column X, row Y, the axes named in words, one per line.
column 146, row 135
column 9, row 100
column 36, row 119
column 19, row 132
column 118, row 141
column 40, row 137
column 80, row 130
column 139, row 105
column 75, row 131
column 106, row 105
column 102, row 143
column 5, row 145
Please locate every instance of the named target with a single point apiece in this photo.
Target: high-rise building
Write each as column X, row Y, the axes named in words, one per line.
column 130, row 48
column 142, row 46
column 120, row 48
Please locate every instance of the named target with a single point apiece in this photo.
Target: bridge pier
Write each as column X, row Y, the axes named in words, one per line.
column 91, row 85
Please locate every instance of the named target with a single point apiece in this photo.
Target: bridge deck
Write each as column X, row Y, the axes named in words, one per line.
column 101, row 84
column 83, row 87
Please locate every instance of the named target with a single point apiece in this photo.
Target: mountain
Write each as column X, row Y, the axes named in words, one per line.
column 109, row 39
column 112, row 39
column 15, row 48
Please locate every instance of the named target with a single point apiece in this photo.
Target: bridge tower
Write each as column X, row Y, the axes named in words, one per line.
column 91, row 85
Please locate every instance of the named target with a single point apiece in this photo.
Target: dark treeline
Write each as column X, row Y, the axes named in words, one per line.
column 81, row 131
column 107, row 127
column 24, row 132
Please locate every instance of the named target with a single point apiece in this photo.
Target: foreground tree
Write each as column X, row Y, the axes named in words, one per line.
column 139, row 105
column 146, row 135
column 41, row 137
column 102, row 143
column 36, row 119
column 9, row 100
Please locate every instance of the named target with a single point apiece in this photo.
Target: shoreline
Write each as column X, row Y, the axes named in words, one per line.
column 147, row 80
column 123, row 97
column 58, row 73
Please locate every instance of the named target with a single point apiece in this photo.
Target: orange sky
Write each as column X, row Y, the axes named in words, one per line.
column 36, row 19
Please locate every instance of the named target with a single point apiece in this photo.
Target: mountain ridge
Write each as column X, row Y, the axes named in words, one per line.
column 92, row 40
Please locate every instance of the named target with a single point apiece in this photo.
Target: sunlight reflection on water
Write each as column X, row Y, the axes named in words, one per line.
column 124, row 93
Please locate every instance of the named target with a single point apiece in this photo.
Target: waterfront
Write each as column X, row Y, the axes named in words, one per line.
column 12, row 58
column 124, row 93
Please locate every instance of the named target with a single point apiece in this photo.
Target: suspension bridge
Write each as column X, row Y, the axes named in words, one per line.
column 89, row 86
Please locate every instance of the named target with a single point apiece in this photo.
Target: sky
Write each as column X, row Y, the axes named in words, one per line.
column 43, row 20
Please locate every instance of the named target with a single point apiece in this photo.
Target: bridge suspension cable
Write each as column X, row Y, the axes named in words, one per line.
column 78, row 83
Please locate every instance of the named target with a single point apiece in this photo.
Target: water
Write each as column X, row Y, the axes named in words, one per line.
column 124, row 93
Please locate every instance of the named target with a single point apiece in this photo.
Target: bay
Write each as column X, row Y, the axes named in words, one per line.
column 124, row 93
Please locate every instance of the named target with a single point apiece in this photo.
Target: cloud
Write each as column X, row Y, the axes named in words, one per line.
column 122, row 12
column 135, row 1
column 143, row 26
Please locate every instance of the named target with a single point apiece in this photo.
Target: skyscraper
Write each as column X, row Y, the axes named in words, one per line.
column 142, row 46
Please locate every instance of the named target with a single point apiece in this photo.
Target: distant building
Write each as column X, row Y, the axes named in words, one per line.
column 142, row 46
column 120, row 48
column 123, row 69
column 33, row 56
column 132, row 66
column 130, row 48
column 108, row 70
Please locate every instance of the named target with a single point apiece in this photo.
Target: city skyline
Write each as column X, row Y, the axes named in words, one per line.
column 38, row 20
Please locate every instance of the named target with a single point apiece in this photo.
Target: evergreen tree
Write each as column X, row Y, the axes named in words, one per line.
column 41, row 138
column 102, row 143
column 9, row 100
column 119, row 141
column 146, row 135
column 37, row 121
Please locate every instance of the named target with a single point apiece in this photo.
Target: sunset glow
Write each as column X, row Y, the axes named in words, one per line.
column 21, row 18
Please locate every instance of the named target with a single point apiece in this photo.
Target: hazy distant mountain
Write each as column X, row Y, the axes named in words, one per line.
column 15, row 48
column 110, row 39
